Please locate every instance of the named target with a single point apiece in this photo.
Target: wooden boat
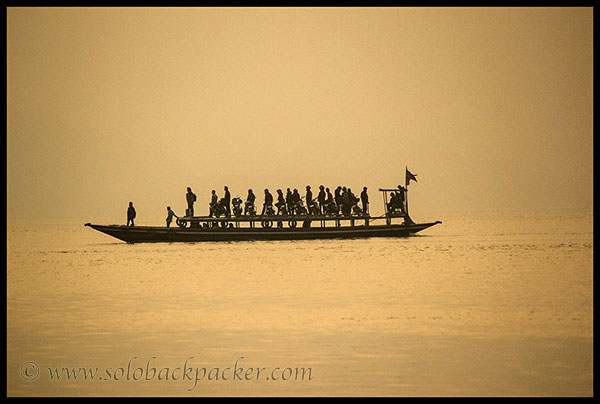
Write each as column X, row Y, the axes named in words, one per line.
column 272, row 227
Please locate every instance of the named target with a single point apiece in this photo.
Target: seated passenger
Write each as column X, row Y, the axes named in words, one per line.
column 391, row 205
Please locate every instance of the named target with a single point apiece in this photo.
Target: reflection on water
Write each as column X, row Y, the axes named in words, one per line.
column 485, row 304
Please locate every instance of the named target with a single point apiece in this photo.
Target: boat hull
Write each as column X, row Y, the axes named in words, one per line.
column 153, row 234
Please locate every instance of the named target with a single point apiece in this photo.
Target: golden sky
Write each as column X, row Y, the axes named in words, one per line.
column 490, row 107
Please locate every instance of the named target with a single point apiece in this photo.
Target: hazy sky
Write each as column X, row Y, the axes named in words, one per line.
column 490, row 107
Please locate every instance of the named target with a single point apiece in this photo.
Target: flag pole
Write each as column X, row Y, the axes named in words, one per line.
column 406, row 181
column 407, row 218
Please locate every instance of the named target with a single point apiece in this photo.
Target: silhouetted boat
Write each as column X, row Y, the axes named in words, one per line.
column 273, row 227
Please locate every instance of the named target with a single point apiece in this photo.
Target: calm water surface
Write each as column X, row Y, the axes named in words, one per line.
column 484, row 304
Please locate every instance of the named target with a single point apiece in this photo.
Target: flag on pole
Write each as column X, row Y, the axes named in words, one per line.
column 410, row 176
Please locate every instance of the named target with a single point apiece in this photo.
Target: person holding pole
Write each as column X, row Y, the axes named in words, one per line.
column 170, row 215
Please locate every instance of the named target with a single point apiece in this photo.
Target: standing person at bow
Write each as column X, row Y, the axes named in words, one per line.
column 190, row 198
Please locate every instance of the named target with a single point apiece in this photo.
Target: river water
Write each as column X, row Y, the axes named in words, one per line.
column 485, row 304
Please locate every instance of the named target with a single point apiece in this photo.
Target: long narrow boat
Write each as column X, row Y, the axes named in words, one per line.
column 273, row 227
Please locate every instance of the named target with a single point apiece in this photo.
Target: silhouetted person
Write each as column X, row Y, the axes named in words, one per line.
column 213, row 203
column 190, row 198
column 226, row 201
column 352, row 200
column 309, row 197
column 329, row 196
column 289, row 200
column 268, row 201
column 338, row 197
column 170, row 215
column 295, row 200
column 321, row 199
column 280, row 202
column 237, row 206
column 330, row 206
column 365, row 201
column 345, row 202
column 400, row 197
column 393, row 202
column 130, row 214
column 249, row 201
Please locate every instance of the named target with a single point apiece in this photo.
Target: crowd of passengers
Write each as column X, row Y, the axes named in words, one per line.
column 343, row 201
